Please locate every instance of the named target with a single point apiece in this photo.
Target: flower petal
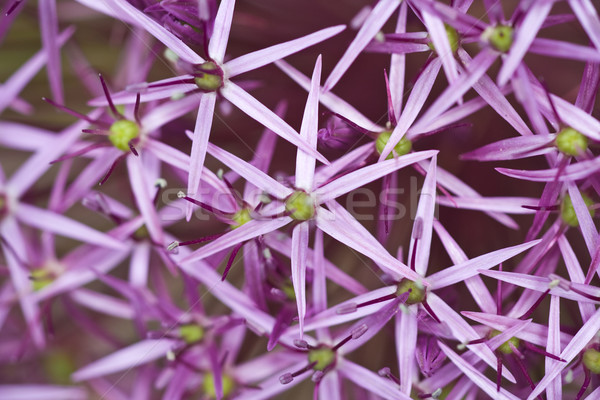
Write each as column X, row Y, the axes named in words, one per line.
column 221, row 27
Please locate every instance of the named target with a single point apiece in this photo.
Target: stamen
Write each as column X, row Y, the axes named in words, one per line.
column 347, row 309
column 391, row 113
column 111, row 105
column 136, row 109
column 403, row 147
column 234, row 252
column 535, row 305
column 430, row 311
column 387, row 373
column 112, row 168
column 196, row 241
column 586, row 383
column 374, row 301
column 75, row 113
column 210, row 209
column 499, row 294
column 78, row 153
column 13, row 7
column 301, row 344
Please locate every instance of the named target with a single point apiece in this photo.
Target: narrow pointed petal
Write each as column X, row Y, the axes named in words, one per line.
column 492, row 94
column 443, row 49
column 103, row 303
column 587, row 14
column 140, row 263
column 554, row 390
column 575, row 274
column 167, row 112
column 368, row 174
column 245, row 232
column 330, row 386
column 578, row 343
column 474, row 71
column 538, row 283
column 513, row 148
column 414, row 104
column 257, row 59
column 250, row 173
column 330, row 100
column 478, row 290
column 299, row 247
column 140, row 187
column 305, row 163
column 42, row 392
column 398, row 66
column 122, row 10
column 536, row 14
column 406, row 343
column 457, row 273
column 559, row 48
column 509, row 205
column 222, row 25
column 506, row 334
column 129, row 95
column 61, row 225
column 49, row 33
column 348, row 231
column 586, row 224
column 133, row 356
column 371, row 381
column 202, row 129
column 571, row 172
column 268, row 118
column 464, row 332
column 423, row 222
column 376, row 19
column 475, row 376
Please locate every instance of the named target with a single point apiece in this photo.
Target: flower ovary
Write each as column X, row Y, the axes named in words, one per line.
column 505, row 347
column 300, row 205
column 122, row 132
column 567, row 211
column 571, row 142
column 591, row 360
column 499, row 37
column 191, row 333
column 417, row 291
column 323, row 356
column 241, row 217
column 209, row 77
column 209, row 387
column 403, row 147
column 453, row 38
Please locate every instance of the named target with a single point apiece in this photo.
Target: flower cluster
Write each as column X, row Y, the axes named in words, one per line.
column 265, row 199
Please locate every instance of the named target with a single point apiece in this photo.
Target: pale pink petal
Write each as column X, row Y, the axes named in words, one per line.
column 423, row 222
column 509, row 205
column 443, row 49
column 167, row 112
column 330, row 100
column 554, row 390
column 222, row 25
column 463, row 332
column 571, row 172
column 61, row 225
column 586, row 224
column 457, row 273
column 371, row 381
column 305, row 163
column 506, row 334
column 42, row 392
column 248, row 231
column 575, row 274
column 49, row 33
column 524, row 35
column 127, row 358
column 406, row 343
column 299, row 247
column 143, row 198
column 268, row 118
column 578, row 343
column 587, row 14
column 414, row 104
column 257, row 59
column 140, row 263
column 129, row 95
column 122, row 10
column 475, row 376
column 252, row 174
column 538, row 283
column 202, row 129
column 348, row 231
column 330, row 386
column 475, row 284
column 378, row 17
column 368, row 174
column 558, row 48
column 103, row 303
column 271, row 387
column 398, row 66
column 513, row 148
column 24, row 137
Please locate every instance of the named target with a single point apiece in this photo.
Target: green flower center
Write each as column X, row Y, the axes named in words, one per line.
column 301, row 206
column 323, row 356
column 453, row 38
column 122, row 132
column 403, row 147
column 40, row 278
column 288, row 289
column 567, row 211
column 241, row 217
column 141, row 233
column 571, row 142
column 209, row 77
column 505, row 347
column 208, row 385
column 191, row 333
column 499, row 37
column 59, row 366
column 417, row 291
column 591, row 360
